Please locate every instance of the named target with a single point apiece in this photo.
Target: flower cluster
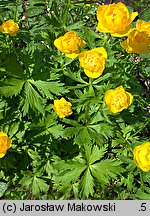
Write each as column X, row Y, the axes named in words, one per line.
column 116, row 20
column 93, row 61
column 5, row 144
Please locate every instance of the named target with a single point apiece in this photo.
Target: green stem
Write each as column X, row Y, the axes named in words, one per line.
column 141, row 178
column 8, row 43
column 106, row 38
column 86, row 114
column 91, row 81
column 91, row 92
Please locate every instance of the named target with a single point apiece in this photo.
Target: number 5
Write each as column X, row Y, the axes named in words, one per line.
column 143, row 207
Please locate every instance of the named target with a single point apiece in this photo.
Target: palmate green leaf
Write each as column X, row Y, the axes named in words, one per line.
column 32, row 99
column 49, row 88
column 34, row 155
column 46, row 126
column 65, row 192
column 72, row 175
column 86, row 184
column 129, row 181
column 84, row 169
column 70, row 132
column 71, row 122
column 38, row 185
column 106, row 169
column 11, row 87
column 86, row 134
column 96, row 137
column 63, row 165
column 83, row 136
column 34, row 183
column 56, row 131
column 46, row 121
column 69, row 171
column 142, row 195
column 48, row 168
column 43, row 87
column 14, row 128
column 94, row 154
column 104, row 129
column 26, row 179
column 79, row 133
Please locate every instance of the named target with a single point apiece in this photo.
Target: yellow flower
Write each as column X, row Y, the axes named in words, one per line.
column 115, row 19
column 137, row 42
column 62, row 108
column 9, row 27
column 143, row 26
column 93, row 61
column 69, row 44
column 117, row 99
column 142, row 156
column 5, row 144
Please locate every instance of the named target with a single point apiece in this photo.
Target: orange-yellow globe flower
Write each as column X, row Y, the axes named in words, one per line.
column 5, row 144
column 142, row 156
column 137, row 42
column 93, row 61
column 69, row 44
column 62, row 107
column 9, row 27
column 118, row 99
column 115, row 19
column 143, row 26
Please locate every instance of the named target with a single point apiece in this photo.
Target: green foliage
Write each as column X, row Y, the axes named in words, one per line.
column 11, row 87
column 86, row 155
column 85, row 165
column 35, row 183
column 3, row 188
